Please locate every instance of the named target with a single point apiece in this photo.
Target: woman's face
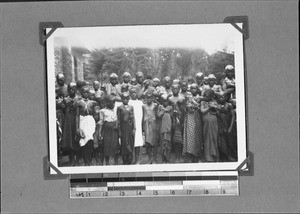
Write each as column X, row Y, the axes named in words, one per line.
column 133, row 94
column 175, row 89
column 211, row 82
column 126, row 79
column 85, row 93
column 194, row 90
column 125, row 100
column 71, row 90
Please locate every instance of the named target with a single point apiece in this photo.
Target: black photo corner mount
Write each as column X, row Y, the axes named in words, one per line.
column 249, row 161
column 43, row 26
column 47, row 176
column 46, row 163
column 239, row 19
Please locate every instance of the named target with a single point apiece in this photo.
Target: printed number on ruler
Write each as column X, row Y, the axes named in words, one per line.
column 83, row 194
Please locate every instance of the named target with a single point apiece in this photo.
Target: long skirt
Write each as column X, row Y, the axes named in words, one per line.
column 232, row 141
column 223, row 120
column 210, row 133
column 151, row 131
column 165, row 143
column 127, row 139
column 69, row 131
column 110, row 138
column 192, row 136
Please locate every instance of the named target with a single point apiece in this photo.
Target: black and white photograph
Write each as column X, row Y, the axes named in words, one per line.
column 146, row 98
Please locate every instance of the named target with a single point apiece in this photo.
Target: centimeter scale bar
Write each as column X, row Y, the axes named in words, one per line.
column 166, row 184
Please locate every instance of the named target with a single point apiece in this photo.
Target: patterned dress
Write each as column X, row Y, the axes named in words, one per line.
column 192, row 136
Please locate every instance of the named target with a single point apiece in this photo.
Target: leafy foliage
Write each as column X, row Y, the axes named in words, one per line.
column 176, row 63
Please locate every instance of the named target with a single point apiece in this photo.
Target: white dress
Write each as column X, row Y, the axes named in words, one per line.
column 138, row 116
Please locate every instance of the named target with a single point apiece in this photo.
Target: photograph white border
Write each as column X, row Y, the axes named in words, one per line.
column 182, row 31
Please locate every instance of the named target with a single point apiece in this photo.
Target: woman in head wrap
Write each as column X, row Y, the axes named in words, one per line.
column 69, row 128
column 228, row 84
column 213, row 86
column 192, row 134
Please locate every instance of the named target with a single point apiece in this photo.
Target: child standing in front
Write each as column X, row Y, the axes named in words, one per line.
column 126, row 120
column 85, row 124
column 177, row 137
column 98, row 144
column 150, row 126
column 138, row 117
column 108, row 126
column 164, row 112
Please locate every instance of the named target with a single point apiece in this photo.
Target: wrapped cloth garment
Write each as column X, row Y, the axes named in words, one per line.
column 210, row 134
column 87, row 125
column 138, row 116
column 150, row 130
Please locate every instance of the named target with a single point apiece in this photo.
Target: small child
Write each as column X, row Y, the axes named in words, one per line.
column 85, row 124
column 108, row 128
column 126, row 120
column 98, row 144
column 138, row 116
column 177, row 136
column 210, row 126
column 150, row 126
column 164, row 112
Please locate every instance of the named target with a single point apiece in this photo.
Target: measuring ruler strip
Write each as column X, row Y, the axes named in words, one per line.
column 164, row 184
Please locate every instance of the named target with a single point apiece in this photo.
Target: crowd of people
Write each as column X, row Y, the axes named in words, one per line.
column 193, row 118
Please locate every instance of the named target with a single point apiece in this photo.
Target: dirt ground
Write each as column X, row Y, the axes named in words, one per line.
column 143, row 159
